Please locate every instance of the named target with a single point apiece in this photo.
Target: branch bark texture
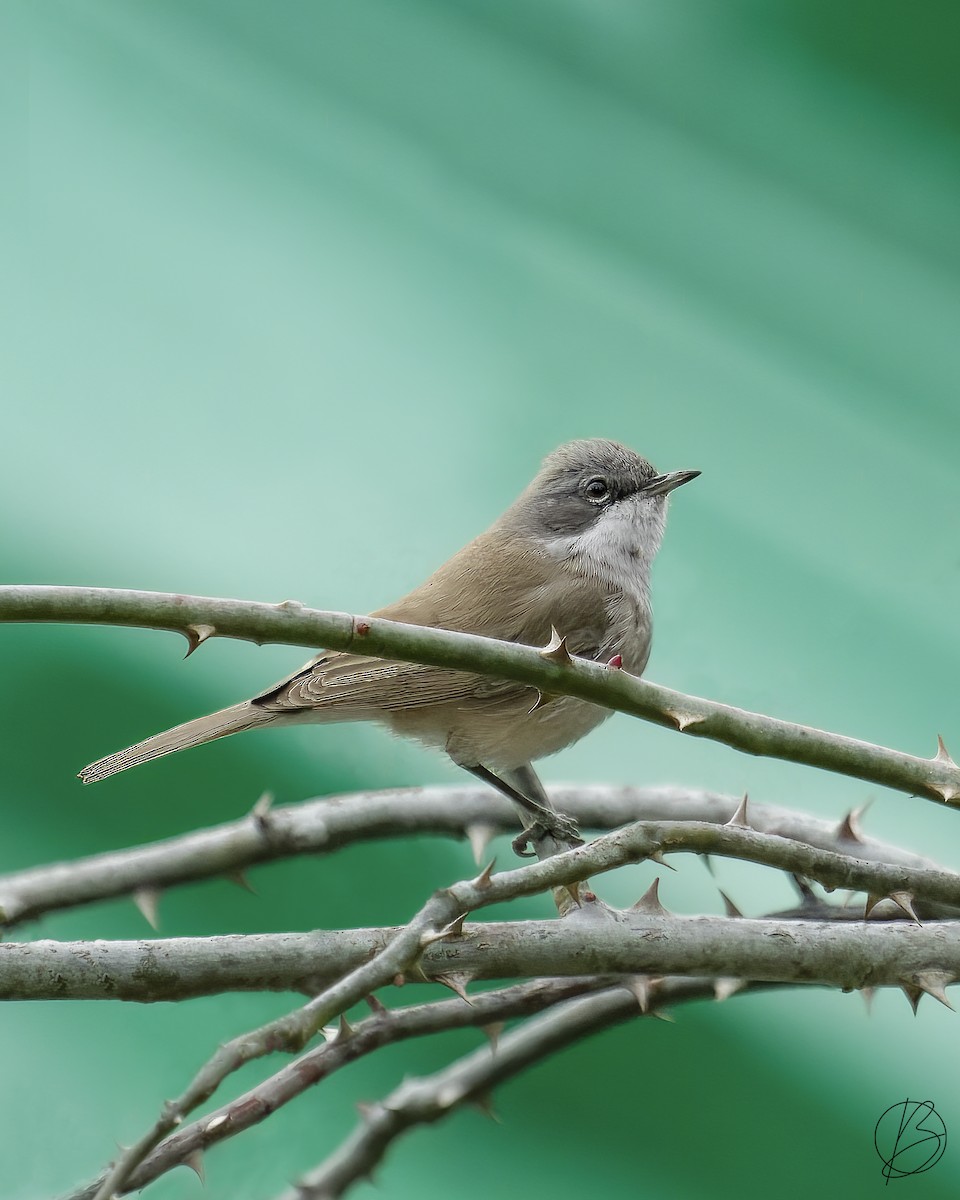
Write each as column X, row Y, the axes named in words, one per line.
column 198, row 617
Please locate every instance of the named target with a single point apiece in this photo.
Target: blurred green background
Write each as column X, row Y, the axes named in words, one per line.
column 297, row 296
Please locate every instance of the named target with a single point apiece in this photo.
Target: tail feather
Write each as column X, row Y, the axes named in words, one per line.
column 192, row 733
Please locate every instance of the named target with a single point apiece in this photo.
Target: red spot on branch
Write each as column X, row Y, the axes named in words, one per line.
column 615, row 663
column 362, row 628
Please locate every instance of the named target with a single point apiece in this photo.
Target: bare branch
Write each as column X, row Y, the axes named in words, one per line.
column 327, row 825
column 936, row 778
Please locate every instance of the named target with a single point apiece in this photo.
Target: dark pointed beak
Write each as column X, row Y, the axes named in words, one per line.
column 661, row 484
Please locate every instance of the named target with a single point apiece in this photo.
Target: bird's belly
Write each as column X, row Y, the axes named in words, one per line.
column 505, row 735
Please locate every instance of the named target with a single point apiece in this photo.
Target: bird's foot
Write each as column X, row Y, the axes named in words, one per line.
column 560, row 827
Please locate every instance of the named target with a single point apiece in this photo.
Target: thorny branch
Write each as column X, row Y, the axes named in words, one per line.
column 639, row 942
column 591, row 940
column 329, row 824
column 471, row 1079
column 613, row 954
column 199, row 618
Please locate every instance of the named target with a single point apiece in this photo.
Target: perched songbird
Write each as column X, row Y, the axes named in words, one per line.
column 573, row 552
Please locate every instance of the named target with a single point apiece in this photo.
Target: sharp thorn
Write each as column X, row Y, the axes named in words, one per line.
column 541, row 702
column 849, row 828
column 479, row 836
column 726, row 986
column 808, row 897
column 344, row 1029
column 194, row 1160
column 871, row 902
column 728, row 904
column 261, row 810
column 484, row 1102
column 457, row 982
column 556, row 649
column 739, row 818
column 640, row 986
column 934, row 983
column 492, row 1032
column 904, row 901
column 683, row 720
column 649, row 902
column 147, row 899
column 657, row 857
column 241, row 880
column 943, row 754
column 196, row 635
column 483, row 879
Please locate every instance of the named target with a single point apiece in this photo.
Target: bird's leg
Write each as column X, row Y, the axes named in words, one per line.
column 523, row 787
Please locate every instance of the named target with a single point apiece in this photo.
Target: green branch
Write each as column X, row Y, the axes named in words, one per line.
column 198, row 617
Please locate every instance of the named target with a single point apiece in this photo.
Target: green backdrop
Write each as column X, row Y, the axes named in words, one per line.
column 297, row 296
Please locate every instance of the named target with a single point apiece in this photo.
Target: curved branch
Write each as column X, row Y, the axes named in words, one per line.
column 386, row 1027
column 326, row 825
column 197, row 618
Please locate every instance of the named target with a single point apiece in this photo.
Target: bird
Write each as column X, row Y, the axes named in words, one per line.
column 573, row 554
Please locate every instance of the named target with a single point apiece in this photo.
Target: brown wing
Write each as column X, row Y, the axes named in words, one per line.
column 498, row 587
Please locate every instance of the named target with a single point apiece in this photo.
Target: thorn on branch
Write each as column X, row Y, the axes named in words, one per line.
column 726, row 986
column 739, row 818
column 482, row 881
column 484, row 1102
column 943, row 755
column 194, row 1160
column 196, row 635
column 457, row 982
column 492, row 1033
column 241, row 880
column 683, row 720
column 556, row 649
column 903, row 901
column 657, row 857
column 479, row 836
column 640, row 987
column 929, row 983
column 849, row 828
column 649, row 902
column 147, row 900
column 261, row 812
column 728, row 904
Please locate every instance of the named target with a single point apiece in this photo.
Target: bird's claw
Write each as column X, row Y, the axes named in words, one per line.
column 560, row 827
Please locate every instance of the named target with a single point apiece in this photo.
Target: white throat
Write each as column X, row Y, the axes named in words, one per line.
column 620, row 546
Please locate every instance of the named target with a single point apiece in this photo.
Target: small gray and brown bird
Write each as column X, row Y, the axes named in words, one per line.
column 573, row 553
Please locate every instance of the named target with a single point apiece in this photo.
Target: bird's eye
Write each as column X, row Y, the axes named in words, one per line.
column 597, row 489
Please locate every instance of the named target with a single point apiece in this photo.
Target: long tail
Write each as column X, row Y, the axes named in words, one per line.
column 193, row 733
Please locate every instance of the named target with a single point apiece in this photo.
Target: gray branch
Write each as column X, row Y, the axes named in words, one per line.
column 198, row 618
column 326, row 825
column 487, row 1011
column 471, row 1079
column 590, row 941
